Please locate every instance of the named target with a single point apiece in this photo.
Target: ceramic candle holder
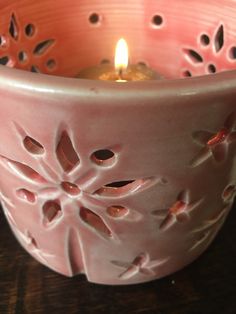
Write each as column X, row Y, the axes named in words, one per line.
column 129, row 182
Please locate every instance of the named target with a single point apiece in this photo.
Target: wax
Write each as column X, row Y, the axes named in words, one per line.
column 107, row 72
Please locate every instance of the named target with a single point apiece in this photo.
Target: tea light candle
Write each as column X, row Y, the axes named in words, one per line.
column 122, row 71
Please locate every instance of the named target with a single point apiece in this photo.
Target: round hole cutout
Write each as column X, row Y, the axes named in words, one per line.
column 4, row 60
column 211, row 68
column 157, row 20
column 94, row 18
column 30, row 30
column 103, row 157
column 205, row 40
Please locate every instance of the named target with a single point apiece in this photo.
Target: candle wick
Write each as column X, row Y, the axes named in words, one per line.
column 120, row 73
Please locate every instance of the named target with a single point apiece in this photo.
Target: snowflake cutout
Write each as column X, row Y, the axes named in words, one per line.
column 211, row 48
column 64, row 194
column 140, row 265
column 179, row 212
column 20, row 48
column 215, row 145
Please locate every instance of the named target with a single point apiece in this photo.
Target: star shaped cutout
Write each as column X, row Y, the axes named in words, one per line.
column 140, row 265
column 215, row 145
column 178, row 212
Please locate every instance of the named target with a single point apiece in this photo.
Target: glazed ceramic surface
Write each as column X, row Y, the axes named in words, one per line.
column 128, row 182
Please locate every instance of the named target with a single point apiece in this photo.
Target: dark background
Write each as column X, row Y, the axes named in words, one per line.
column 206, row 286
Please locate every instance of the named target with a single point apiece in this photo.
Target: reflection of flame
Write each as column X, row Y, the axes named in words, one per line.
column 121, row 56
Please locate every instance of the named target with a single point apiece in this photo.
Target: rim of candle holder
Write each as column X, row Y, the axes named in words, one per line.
column 16, row 79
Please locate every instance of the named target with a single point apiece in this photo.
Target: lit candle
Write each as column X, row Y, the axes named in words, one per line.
column 122, row 72
column 121, row 60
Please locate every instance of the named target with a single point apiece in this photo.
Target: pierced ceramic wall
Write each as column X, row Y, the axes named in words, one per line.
column 122, row 182
column 181, row 39
column 109, row 188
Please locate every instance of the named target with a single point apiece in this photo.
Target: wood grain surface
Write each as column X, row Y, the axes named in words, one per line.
column 208, row 286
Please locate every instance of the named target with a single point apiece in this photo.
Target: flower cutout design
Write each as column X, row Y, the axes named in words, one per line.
column 140, row 265
column 179, row 212
column 214, row 53
column 209, row 229
column 69, row 198
column 22, row 47
column 65, row 194
column 215, row 145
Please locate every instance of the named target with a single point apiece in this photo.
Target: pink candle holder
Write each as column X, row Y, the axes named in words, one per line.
column 124, row 182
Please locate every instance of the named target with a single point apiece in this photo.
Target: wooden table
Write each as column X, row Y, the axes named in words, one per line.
column 208, row 286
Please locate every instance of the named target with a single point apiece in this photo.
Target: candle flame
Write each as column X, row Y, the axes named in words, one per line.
column 121, row 56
